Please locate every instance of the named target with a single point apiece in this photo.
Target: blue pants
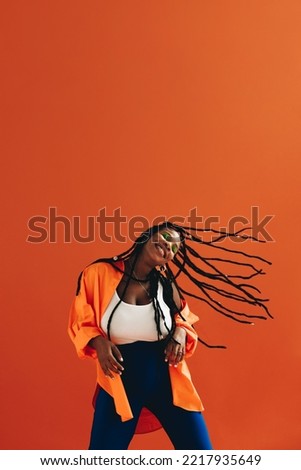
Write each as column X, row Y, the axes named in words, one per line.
column 147, row 384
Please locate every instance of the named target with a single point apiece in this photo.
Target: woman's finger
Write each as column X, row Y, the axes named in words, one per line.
column 117, row 353
column 180, row 355
column 177, row 355
column 107, row 371
column 115, row 366
column 168, row 352
column 172, row 355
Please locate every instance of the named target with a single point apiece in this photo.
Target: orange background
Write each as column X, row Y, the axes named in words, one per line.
column 154, row 107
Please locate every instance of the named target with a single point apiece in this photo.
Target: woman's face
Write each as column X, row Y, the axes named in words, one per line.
column 162, row 246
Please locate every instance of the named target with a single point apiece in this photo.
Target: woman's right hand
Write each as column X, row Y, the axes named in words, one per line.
column 108, row 355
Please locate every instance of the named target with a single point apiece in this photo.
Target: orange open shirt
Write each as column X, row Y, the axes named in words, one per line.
column 98, row 284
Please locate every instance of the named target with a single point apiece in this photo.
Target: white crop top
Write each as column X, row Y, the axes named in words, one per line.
column 132, row 323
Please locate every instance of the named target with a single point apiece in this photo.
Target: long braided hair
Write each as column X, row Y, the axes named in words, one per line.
column 213, row 285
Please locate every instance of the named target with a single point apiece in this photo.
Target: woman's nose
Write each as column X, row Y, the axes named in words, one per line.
column 167, row 245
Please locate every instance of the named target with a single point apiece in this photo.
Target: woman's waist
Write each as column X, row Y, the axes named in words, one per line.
column 142, row 354
column 142, row 347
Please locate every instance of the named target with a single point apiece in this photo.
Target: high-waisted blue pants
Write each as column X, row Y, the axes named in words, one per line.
column 147, row 384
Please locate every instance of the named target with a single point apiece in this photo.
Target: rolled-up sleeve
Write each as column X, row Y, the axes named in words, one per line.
column 186, row 322
column 82, row 325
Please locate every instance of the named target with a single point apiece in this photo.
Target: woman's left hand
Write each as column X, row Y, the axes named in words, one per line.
column 176, row 347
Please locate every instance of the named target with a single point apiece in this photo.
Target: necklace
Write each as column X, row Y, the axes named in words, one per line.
column 136, row 279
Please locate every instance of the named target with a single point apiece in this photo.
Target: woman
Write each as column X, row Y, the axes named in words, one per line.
column 130, row 315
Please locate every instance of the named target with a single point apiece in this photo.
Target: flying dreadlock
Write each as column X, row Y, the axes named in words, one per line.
column 212, row 283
